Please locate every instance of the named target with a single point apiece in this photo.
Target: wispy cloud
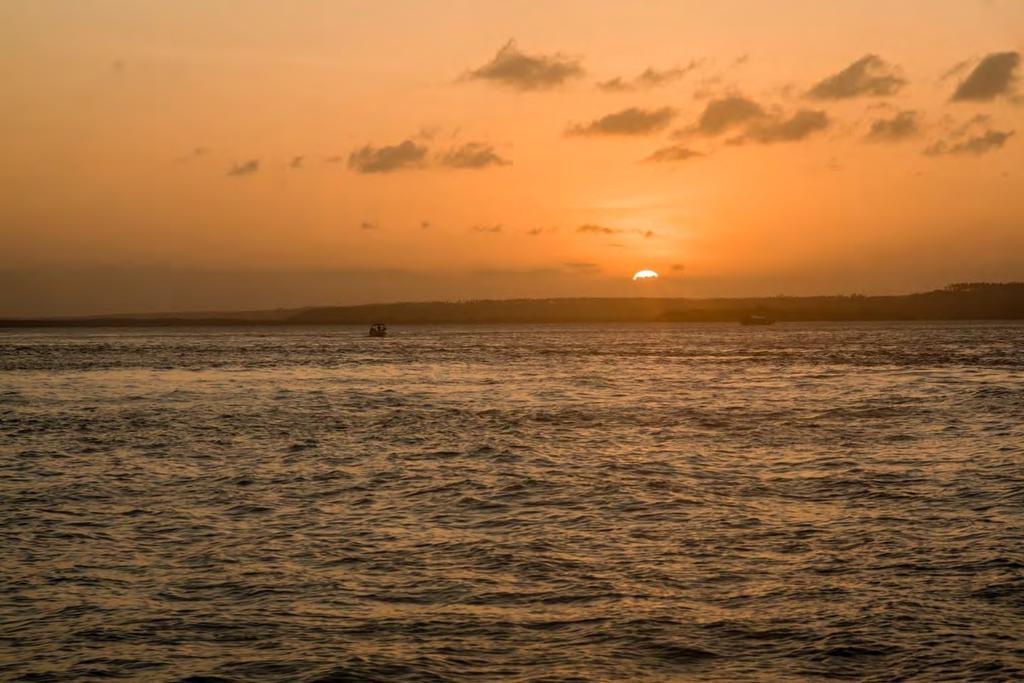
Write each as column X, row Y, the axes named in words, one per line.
column 631, row 121
column 472, row 155
column 296, row 163
column 647, row 79
column 493, row 229
column 405, row 155
column 521, row 71
column 994, row 75
column 976, row 145
column 245, row 168
column 598, row 229
column 869, row 76
column 582, row 267
column 673, row 153
column 901, row 126
column 595, row 229
column 368, row 225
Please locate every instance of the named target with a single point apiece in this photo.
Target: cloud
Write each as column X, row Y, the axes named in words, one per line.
column 993, row 76
column 388, row 158
column 631, row 121
column 869, row 76
column 334, row 159
column 973, row 123
column 472, row 155
column 534, row 232
column 194, row 154
column 678, row 267
column 494, row 229
column 425, row 225
column 989, row 141
column 728, row 112
column 595, row 229
column 902, row 125
column 800, row 125
column 247, row 168
column 515, row 69
column 368, row 225
column 673, row 153
column 955, row 70
column 296, row 162
column 582, row 267
column 649, row 78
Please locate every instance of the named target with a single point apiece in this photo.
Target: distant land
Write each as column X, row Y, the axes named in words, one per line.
column 961, row 301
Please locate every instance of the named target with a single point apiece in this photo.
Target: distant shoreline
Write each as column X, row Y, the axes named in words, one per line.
column 964, row 301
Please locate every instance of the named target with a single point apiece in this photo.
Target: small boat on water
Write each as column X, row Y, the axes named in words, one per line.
column 756, row 320
column 378, row 330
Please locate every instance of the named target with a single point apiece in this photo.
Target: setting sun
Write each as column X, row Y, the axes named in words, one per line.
column 644, row 275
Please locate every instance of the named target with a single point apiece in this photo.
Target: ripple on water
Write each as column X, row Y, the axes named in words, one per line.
column 665, row 502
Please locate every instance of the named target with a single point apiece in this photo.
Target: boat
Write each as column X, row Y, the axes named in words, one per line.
column 756, row 320
column 378, row 330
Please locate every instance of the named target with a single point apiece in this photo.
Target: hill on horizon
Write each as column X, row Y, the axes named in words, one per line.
column 960, row 301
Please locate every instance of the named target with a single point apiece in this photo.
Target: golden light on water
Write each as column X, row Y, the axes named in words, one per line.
column 644, row 275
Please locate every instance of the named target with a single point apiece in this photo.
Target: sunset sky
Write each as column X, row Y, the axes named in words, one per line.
column 205, row 154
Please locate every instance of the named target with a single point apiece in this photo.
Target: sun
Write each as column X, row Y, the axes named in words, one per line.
column 644, row 275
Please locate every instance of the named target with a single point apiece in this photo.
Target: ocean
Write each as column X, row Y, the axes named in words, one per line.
column 662, row 502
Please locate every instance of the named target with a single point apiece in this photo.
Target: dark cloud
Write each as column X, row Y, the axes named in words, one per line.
column 649, row 78
column 993, row 76
column 673, row 153
column 368, row 225
column 534, row 232
column 868, row 76
column 388, row 158
column 989, row 141
column 515, row 69
column 296, row 162
column 902, row 125
column 728, row 112
column 246, row 168
column 488, row 228
column 425, row 225
column 472, row 155
column 800, row 125
column 678, row 267
column 632, row 121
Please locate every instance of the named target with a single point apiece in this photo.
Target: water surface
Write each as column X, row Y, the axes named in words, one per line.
column 621, row 502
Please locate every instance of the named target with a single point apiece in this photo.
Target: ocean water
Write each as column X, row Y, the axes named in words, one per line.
column 548, row 503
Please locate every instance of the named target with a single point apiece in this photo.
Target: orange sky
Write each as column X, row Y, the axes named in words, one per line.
column 333, row 152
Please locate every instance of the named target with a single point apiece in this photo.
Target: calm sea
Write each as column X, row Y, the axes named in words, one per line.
column 523, row 503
